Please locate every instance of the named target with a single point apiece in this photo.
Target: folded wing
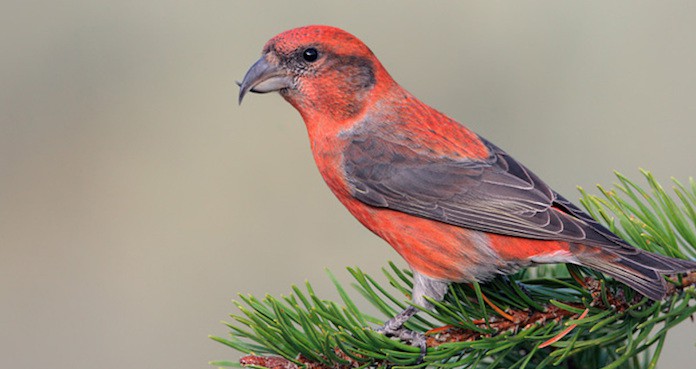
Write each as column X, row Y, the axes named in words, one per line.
column 497, row 195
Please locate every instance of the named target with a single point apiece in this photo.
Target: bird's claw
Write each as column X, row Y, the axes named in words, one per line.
column 394, row 327
column 416, row 339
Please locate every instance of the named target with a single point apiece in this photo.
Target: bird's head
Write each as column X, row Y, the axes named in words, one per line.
column 322, row 71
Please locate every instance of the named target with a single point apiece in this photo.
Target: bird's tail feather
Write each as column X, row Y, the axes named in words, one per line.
column 641, row 270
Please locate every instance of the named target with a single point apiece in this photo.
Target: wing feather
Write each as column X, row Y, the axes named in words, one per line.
column 497, row 194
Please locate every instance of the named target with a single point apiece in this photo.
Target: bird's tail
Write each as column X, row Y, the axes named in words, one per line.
column 641, row 270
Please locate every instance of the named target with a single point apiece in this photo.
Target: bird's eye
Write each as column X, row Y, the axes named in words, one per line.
column 310, row 54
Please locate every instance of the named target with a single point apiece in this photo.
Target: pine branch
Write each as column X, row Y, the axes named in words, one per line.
column 558, row 320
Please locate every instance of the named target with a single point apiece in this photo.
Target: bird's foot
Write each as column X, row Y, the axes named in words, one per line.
column 416, row 339
column 394, row 327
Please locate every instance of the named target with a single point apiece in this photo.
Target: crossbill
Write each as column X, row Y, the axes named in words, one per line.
column 455, row 206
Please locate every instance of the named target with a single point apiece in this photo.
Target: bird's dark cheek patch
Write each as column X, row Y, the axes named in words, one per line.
column 359, row 69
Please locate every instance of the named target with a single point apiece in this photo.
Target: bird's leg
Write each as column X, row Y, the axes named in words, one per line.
column 422, row 286
column 397, row 322
column 394, row 327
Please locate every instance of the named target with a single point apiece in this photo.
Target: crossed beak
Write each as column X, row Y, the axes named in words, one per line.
column 263, row 77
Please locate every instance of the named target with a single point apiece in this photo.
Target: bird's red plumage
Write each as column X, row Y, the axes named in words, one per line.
column 456, row 207
column 435, row 249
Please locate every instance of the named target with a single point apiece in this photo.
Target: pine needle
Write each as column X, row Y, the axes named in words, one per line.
column 556, row 318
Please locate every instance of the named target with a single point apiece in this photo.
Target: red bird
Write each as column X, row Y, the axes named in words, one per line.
column 455, row 206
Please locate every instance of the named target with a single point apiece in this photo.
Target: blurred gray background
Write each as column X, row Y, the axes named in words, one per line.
column 137, row 198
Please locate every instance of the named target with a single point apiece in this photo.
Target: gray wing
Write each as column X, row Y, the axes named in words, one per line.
column 496, row 195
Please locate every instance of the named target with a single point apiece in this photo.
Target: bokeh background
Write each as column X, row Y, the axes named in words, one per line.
column 137, row 199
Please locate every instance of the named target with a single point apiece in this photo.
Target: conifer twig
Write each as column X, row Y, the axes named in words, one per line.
column 523, row 320
column 611, row 324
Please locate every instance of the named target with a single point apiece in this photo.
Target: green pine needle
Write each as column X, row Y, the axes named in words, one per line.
column 303, row 327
